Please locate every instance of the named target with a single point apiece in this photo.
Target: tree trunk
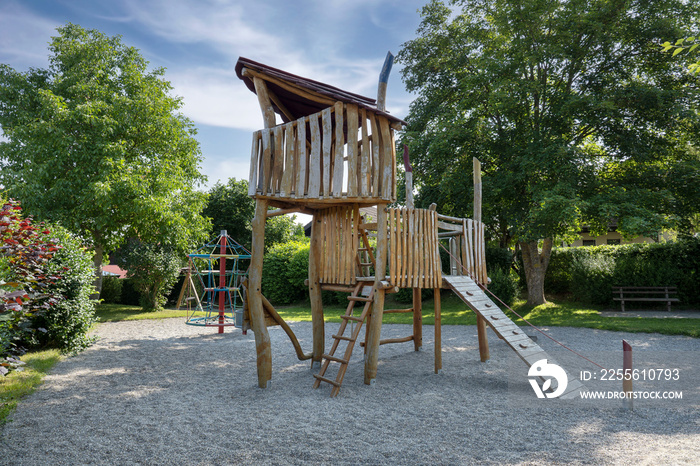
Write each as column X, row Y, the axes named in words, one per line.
column 97, row 261
column 535, row 264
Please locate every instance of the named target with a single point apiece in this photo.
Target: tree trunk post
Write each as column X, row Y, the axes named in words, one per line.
column 484, row 352
column 375, row 324
column 255, row 305
column 315, row 259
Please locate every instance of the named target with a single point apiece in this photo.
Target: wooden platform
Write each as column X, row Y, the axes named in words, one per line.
column 529, row 351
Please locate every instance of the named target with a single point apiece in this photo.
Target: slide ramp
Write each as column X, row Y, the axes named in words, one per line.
column 529, row 351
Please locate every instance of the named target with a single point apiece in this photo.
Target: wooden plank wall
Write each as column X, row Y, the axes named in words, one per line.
column 413, row 246
column 342, row 152
column 339, row 238
column 473, row 250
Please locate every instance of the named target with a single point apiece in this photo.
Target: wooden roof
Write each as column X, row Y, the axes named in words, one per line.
column 298, row 96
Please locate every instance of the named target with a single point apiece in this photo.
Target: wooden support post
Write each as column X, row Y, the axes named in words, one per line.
column 315, row 260
column 255, row 305
column 480, row 322
column 438, row 331
column 417, row 319
column 375, row 325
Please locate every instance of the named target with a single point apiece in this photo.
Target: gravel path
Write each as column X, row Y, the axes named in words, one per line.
column 161, row 392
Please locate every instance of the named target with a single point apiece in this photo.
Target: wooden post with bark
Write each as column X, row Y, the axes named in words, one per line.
column 480, row 322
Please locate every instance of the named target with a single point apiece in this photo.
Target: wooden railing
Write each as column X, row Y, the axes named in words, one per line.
column 466, row 245
column 414, row 260
column 343, row 153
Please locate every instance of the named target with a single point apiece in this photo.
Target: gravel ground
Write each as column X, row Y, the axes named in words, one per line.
column 161, row 392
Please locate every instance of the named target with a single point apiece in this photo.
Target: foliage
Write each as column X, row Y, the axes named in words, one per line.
column 68, row 321
column 97, row 143
column 153, row 269
column 285, row 268
column 589, row 273
column 25, row 289
column 687, row 43
column 230, row 209
column 574, row 115
column 504, row 284
column 111, row 290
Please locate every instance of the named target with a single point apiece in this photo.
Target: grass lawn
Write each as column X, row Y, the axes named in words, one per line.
column 558, row 312
column 18, row 384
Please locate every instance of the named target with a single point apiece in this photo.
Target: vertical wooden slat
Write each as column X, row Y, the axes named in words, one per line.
column 355, row 243
column 314, row 167
column 286, row 186
column 254, row 164
column 406, row 246
column 410, row 245
column 392, row 244
column 326, row 142
column 278, row 159
column 302, row 158
column 365, row 156
column 267, row 161
column 437, row 263
column 376, row 144
column 338, row 164
column 393, row 165
column 420, row 269
column 484, row 278
column 386, row 161
column 352, row 149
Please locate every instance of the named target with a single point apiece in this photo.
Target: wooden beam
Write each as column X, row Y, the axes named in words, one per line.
column 438, row 331
column 290, row 87
column 291, row 210
column 268, row 112
column 315, row 260
column 255, row 304
column 375, row 324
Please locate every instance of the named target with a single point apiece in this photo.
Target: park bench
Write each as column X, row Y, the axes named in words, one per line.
column 645, row 294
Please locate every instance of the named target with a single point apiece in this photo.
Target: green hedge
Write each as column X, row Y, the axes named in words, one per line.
column 285, row 268
column 589, row 273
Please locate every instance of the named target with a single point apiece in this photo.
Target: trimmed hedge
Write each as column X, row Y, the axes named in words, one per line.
column 284, row 271
column 589, row 273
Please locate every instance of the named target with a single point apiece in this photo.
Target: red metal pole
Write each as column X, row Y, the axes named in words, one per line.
column 627, row 372
column 222, row 281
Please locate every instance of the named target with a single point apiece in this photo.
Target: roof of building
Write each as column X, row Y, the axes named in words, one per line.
column 286, row 87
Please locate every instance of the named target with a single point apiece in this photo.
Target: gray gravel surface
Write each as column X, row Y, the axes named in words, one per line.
column 161, row 392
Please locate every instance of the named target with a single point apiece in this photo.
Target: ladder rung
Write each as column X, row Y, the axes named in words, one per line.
column 356, row 319
column 333, row 358
column 323, row 379
column 362, row 249
column 397, row 311
column 360, row 298
column 340, row 337
column 365, row 264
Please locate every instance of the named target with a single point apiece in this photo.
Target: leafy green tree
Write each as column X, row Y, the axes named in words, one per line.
column 572, row 111
column 230, row 209
column 97, row 143
column 153, row 269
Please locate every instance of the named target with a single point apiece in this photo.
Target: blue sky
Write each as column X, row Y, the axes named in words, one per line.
column 340, row 42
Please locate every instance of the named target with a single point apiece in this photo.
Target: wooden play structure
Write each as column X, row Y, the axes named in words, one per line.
column 333, row 153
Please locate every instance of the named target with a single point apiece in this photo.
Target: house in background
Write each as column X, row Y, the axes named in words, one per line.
column 111, row 270
column 612, row 237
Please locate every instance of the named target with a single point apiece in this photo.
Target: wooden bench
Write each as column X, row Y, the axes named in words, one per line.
column 646, row 294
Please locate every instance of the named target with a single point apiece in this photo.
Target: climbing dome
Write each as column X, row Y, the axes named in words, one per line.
column 212, row 287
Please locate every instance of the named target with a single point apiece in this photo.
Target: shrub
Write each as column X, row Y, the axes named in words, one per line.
column 111, row 290
column 504, row 284
column 590, row 273
column 154, row 269
column 284, row 272
column 130, row 295
column 68, row 322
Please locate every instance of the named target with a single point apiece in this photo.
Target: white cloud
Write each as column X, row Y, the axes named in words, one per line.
column 23, row 36
column 222, row 170
column 217, row 97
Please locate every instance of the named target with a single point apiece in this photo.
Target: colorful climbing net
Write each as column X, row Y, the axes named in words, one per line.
column 212, row 288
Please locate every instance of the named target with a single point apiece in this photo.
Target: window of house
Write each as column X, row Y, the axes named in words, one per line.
column 589, row 242
column 613, row 241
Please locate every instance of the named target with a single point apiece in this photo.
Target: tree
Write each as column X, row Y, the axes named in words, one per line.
column 574, row 114
column 96, row 143
column 230, row 209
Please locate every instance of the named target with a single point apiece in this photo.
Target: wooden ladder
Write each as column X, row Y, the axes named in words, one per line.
column 357, row 295
column 367, row 249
